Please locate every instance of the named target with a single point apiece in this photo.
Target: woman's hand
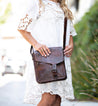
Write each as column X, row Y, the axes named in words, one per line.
column 68, row 49
column 43, row 49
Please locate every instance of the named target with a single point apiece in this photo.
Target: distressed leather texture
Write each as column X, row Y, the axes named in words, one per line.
column 50, row 68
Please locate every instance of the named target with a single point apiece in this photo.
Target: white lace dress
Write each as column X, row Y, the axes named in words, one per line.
column 47, row 29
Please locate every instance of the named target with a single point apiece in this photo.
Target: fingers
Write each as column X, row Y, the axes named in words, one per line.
column 40, row 51
column 67, row 48
column 44, row 50
column 68, row 54
column 48, row 50
column 68, row 51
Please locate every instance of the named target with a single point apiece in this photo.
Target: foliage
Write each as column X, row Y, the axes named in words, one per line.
column 7, row 12
column 85, row 56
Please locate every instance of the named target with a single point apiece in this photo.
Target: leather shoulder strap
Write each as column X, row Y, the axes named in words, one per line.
column 65, row 29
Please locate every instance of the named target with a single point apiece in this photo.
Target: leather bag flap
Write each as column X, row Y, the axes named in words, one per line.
column 55, row 57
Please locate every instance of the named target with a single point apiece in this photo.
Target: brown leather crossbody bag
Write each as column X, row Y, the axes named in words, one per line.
column 50, row 68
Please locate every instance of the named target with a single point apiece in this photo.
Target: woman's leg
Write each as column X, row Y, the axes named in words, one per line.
column 58, row 101
column 49, row 100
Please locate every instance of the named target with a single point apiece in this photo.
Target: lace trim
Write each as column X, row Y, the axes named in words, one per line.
column 58, row 10
column 24, row 22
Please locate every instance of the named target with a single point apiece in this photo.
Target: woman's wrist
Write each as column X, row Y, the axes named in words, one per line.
column 34, row 43
column 71, row 40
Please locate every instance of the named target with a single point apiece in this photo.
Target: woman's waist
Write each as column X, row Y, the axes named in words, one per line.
column 50, row 40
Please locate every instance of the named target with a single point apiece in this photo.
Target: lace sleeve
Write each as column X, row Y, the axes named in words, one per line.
column 24, row 22
column 28, row 18
column 72, row 29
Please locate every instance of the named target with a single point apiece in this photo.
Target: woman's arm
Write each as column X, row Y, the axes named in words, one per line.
column 28, row 37
column 43, row 49
column 68, row 49
column 26, row 22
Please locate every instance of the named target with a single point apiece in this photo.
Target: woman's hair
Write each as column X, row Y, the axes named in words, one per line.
column 64, row 7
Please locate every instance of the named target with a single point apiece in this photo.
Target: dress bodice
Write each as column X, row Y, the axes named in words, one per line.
column 47, row 27
column 52, row 11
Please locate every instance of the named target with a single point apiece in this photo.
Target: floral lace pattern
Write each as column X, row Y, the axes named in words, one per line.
column 24, row 22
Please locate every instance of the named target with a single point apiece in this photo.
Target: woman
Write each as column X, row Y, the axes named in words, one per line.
column 42, row 25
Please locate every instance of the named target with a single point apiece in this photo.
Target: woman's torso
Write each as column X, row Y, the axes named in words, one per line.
column 48, row 29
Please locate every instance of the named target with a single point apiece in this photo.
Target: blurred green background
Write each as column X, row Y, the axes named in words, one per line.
column 6, row 14
column 85, row 56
